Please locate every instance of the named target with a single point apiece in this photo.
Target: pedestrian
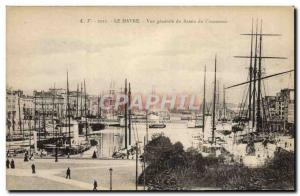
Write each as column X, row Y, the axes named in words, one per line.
column 12, row 164
column 68, row 173
column 241, row 159
column 26, row 157
column 33, row 168
column 68, row 155
column 7, row 163
column 95, row 185
column 94, row 155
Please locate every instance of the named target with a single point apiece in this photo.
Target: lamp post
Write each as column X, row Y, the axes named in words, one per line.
column 147, row 126
column 110, row 174
column 56, row 156
column 136, row 166
column 144, row 165
column 29, row 126
column 144, row 183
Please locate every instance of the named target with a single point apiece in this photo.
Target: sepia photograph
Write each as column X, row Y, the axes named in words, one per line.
column 150, row 98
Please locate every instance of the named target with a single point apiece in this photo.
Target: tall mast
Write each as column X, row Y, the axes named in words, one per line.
column 254, row 79
column 20, row 120
column 39, row 138
column 258, row 115
column 77, row 97
column 29, row 126
column 224, row 103
column 98, row 106
column 136, row 165
column 250, row 74
column 13, row 122
column 43, row 113
column 203, row 104
column 214, row 104
column 125, row 113
column 254, row 75
column 52, row 120
column 100, row 110
column 129, row 114
column 34, row 120
column 68, row 110
column 59, row 111
column 147, row 139
column 55, row 135
column 218, row 100
column 81, row 99
column 85, row 97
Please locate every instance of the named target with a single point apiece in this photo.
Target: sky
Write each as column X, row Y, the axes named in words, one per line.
column 44, row 42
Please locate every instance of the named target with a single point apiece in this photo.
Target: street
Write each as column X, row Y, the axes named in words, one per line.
column 51, row 175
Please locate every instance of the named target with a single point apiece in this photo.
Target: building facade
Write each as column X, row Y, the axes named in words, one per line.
column 279, row 111
column 19, row 111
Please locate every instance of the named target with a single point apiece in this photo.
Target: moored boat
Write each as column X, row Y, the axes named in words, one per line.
column 158, row 125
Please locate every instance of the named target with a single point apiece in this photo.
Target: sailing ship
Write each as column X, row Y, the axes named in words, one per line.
column 67, row 136
column 95, row 123
column 211, row 143
column 253, row 141
column 224, row 123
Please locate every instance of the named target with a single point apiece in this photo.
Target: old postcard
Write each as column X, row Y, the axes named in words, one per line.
column 150, row 98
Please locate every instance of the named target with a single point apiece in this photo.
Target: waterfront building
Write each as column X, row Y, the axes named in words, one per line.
column 279, row 111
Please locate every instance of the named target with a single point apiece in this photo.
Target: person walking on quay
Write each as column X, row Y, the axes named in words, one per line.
column 94, row 155
column 7, row 164
column 68, row 173
column 12, row 164
column 33, row 168
column 95, row 185
column 26, row 157
column 241, row 159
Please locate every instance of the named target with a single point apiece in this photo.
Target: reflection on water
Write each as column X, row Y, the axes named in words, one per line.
column 113, row 138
